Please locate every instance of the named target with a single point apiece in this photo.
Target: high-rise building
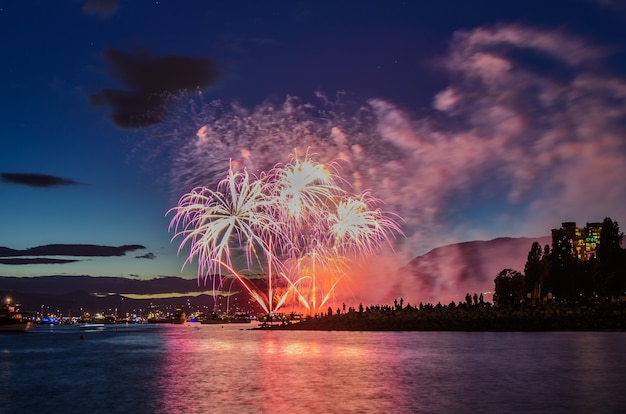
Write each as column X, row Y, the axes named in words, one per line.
column 581, row 241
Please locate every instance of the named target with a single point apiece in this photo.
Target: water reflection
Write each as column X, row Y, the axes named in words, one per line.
column 593, row 354
column 226, row 369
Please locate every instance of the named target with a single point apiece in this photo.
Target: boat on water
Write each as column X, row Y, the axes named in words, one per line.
column 92, row 326
column 240, row 318
column 12, row 320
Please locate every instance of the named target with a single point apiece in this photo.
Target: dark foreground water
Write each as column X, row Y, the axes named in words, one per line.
column 226, row 369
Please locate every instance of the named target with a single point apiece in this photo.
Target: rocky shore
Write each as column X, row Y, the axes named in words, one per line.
column 482, row 317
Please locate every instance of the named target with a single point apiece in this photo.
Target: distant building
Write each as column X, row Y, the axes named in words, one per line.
column 581, row 241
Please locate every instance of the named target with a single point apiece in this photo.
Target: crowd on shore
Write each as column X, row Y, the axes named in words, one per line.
column 472, row 316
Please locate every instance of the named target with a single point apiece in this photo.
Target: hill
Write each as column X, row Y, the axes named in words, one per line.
column 450, row 272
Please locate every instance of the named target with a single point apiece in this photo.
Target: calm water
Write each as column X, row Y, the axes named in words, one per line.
column 226, row 369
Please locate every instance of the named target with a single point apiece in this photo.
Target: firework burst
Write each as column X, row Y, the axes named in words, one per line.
column 298, row 227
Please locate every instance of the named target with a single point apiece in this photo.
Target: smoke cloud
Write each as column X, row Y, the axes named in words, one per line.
column 528, row 133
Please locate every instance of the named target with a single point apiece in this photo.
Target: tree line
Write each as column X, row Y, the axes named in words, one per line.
column 555, row 273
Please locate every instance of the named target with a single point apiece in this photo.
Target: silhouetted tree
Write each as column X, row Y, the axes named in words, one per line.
column 545, row 269
column 533, row 271
column 583, row 278
column 509, row 287
column 609, row 272
column 562, row 278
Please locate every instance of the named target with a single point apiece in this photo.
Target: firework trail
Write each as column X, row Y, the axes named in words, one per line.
column 297, row 226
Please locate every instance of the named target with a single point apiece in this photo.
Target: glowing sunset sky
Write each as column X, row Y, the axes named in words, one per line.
column 471, row 120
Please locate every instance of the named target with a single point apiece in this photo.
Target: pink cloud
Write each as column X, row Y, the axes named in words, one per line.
column 558, row 44
column 101, row 8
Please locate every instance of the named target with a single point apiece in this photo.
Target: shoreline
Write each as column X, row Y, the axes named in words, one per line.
column 472, row 318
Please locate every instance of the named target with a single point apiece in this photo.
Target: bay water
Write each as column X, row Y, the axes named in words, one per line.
column 193, row 368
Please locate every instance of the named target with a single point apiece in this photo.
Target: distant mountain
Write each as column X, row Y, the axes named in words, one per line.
column 447, row 273
column 57, row 285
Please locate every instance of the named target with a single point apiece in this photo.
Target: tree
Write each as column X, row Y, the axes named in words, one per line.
column 563, row 278
column 610, row 277
column 533, row 270
column 509, row 287
column 545, row 269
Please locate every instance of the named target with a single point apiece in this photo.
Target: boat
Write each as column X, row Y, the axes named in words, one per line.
column 240, row 318
column 92, row 326
column 14, row 320
column 179, row 317
column 211, row 319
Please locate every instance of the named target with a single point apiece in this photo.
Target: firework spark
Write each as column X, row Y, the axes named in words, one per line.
column 209, row 221
column 299, row 228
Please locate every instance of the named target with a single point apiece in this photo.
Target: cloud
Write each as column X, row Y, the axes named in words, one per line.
column 145, row 296
column 150, row 256
column 36, row 180
column 27, row 261
column 100, row 8
column 612, row 4
column 552, row 121
column 151, row 83
column 481, row 50
column 80, row 250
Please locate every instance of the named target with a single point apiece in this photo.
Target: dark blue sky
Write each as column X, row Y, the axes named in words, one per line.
column 470, row 119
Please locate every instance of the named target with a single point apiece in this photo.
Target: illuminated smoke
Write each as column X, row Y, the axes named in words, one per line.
column 510, row 147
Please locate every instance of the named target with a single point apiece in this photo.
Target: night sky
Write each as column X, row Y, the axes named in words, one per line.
column 470, row 119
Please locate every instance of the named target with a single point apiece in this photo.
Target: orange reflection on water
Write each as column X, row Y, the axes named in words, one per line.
column 229, row 369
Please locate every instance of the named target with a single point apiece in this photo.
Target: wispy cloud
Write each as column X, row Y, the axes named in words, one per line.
column 37, row 260
column 619, row 5
column 546, row 115
column 36, row 255
column 151, row 83
column 103, row 9
column 36, row 180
